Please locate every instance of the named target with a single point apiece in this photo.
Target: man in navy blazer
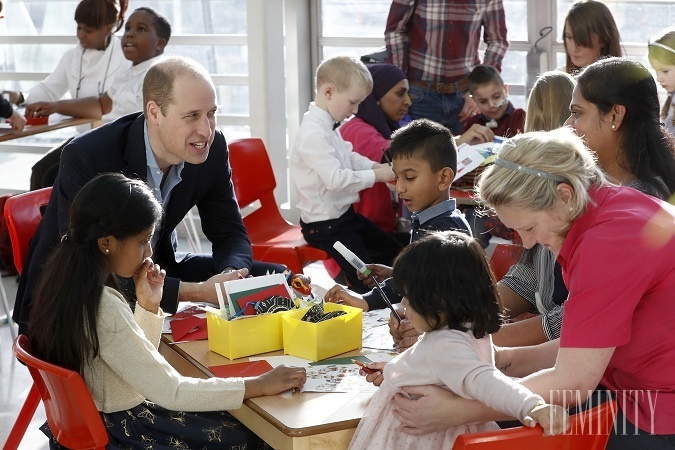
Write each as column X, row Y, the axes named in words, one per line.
column 175, row 148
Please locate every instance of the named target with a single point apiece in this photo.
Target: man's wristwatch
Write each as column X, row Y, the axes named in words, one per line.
column 229, row 270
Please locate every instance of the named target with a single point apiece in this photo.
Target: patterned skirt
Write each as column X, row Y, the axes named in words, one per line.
column 151, row 427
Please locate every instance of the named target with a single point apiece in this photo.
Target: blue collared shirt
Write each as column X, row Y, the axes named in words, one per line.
column 161, row 190
column 441, row 216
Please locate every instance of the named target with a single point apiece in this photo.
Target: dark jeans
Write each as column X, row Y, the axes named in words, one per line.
column 365, row 239
column 441, row 108
column 626, row 436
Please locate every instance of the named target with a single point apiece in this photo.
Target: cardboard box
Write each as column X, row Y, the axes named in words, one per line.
column 317, row 341
column 248, row 336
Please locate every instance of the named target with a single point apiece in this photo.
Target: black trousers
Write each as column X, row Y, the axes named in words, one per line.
column 365, row 239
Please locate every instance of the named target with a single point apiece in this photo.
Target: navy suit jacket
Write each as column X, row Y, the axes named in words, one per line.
column 119, row 146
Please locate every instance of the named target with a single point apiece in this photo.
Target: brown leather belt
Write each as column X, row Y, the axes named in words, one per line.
column 444, row 88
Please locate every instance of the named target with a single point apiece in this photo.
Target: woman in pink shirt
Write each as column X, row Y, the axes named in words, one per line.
column 616, row 246
column 369, row 132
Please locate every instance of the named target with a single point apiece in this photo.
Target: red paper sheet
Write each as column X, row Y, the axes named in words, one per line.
column 190, row 328
column 244, row 369
column 278, row 289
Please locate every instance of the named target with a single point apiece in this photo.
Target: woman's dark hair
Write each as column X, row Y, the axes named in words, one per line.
column 66, row 300
column 649, row 151
column 447, row 273
column 99, row 13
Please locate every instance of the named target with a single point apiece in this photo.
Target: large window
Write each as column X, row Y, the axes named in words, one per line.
column 35, row 33
column 262, row 53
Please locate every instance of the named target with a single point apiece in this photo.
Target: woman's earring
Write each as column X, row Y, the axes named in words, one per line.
column 613, row 126
column 107, row 251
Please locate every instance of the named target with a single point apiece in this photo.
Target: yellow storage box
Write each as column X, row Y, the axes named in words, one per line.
column 248, row 336
column 317, row 341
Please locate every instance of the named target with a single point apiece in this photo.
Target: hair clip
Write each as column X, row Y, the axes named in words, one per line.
column 659, row 45
column 529, row 170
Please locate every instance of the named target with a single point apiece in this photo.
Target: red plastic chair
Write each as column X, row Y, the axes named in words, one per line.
column 504, row 256
column 71, row 412
column 273, row 238
column 23, row 214
column 589, row 430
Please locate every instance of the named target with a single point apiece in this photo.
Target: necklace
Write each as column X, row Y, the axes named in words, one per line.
column 101, row 86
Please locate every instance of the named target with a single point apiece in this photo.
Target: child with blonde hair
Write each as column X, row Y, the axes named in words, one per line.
column 548, row 105
column 328, row 174
column 662, row 60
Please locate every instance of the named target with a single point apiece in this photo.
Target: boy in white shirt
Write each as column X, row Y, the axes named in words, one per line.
column 146, row 33
column 328, row 175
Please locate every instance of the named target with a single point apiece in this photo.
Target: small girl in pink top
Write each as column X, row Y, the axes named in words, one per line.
column 449, row 295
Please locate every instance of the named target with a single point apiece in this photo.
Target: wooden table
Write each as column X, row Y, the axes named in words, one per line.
column 16, row 161
column 304, row 421
column 55, row 123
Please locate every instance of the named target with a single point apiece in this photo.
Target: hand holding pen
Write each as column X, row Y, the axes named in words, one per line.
column 360, row 267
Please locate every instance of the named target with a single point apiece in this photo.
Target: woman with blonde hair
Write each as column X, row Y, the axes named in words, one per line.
column 535, row 283
column 617, row 331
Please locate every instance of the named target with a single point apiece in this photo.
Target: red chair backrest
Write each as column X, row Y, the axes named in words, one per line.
column 71, row 412
column 23, row 215
column 252, row 174
column 589, row 430
column 503, row 257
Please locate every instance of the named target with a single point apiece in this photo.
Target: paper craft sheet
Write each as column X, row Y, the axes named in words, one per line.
column 190, row 328
column 258, row 295
column 336, row 378
column 248, row 287
column 468, row 159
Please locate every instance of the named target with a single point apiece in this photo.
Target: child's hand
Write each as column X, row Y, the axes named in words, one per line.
column 379, row 271
column 376, row 377
column 469, row 109
column 149, row 281
column 405, row 335
column 383, row 174
column 477, row 134
column 40, row 109
column 552, row 418
column 279, row 379
column 338, row 294
column 15, row 97
column 18, row 121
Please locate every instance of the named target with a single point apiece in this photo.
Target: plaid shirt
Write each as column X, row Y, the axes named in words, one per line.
column 415, row 44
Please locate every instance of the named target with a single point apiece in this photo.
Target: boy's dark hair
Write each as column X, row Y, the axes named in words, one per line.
column 483, row 74
column 160, row 22
column 448, row 273
column 426, row 140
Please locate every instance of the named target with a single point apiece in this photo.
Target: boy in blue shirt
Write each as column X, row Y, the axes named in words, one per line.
column 328, row 174
column 424, row 157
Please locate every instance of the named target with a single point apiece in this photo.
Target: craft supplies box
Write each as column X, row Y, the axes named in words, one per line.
column 244, row 337
column 316, row 341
